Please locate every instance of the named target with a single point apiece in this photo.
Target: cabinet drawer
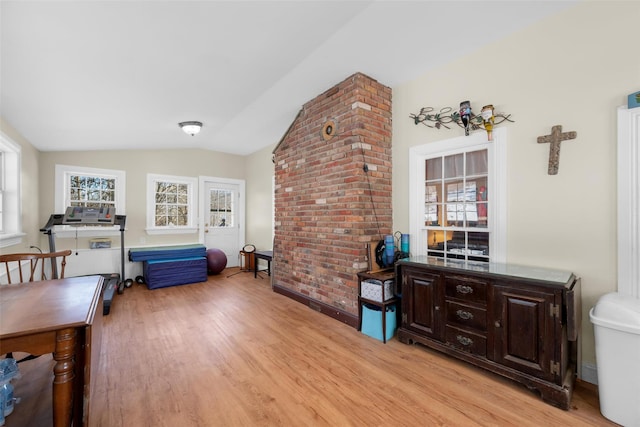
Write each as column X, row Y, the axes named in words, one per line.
column 466, row 289
column 466, row 316
column 466, row 341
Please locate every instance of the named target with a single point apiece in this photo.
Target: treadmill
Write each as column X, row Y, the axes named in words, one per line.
column 82, row 215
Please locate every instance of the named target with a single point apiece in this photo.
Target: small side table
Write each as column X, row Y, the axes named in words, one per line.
column 266, row 255
column 381, row 276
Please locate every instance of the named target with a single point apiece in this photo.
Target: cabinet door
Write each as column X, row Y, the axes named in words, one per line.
column 423, row 300
column 524, row 330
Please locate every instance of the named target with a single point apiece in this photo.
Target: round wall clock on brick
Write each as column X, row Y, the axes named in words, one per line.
column 328, row 130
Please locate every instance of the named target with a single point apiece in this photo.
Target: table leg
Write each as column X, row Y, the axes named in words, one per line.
column 255, row 266
column 63, row 377
column 82, row 370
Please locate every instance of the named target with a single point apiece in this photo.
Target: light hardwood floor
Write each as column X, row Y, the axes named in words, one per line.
column 230, row 352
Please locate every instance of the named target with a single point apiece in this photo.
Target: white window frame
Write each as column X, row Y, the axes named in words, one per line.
column 3, row 171
column 629, row 201
column 192, row 226
column 497, row 187
column 62, row 201
column 10, row 173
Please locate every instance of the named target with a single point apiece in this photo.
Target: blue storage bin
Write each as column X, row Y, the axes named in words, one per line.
column 372, row 321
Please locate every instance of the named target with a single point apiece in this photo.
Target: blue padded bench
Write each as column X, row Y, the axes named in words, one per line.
column 171, row 265
column 173, row 272
column 167, row 252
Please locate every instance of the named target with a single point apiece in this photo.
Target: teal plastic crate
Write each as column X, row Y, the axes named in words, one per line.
column 634, row 100
column 372, row 321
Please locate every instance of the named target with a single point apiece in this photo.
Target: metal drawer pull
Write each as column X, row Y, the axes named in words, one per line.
column 464, row 315
column 462, row 289
column 464, row 340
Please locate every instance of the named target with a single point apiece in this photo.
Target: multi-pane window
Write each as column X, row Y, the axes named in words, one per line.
column 456, row 205
column 2, row 179
column 221, row 209
column 90, row 187
column 10, row 192
column 171, row 205
column 1, row 208
column 458, row 198
column 93, row 191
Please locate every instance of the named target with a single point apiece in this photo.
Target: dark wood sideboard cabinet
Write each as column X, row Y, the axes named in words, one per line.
column 519, row 322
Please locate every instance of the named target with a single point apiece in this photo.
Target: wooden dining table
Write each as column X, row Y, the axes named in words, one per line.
column 62, row 317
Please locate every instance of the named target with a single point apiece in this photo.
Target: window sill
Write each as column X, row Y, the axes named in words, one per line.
column 172, row 230
column 7, row 240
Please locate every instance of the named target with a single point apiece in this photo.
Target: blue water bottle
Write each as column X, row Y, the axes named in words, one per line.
column 404, row 243
column 7, row 392
column 2, row 405
column 389, row 249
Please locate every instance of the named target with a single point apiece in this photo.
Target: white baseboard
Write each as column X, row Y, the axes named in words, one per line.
column 589, row 373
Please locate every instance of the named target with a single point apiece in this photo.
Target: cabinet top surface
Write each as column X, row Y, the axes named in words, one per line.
column 380, row 275
column 497, row 269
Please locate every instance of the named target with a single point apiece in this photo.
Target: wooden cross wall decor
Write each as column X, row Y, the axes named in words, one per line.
column 555, row 139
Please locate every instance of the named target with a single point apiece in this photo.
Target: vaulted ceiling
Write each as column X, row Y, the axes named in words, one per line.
column 101, row 75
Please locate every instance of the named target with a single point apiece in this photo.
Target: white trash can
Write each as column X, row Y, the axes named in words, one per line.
column 616, row 324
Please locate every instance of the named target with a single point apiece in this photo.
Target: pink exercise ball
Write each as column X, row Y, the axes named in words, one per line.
column 216, row 261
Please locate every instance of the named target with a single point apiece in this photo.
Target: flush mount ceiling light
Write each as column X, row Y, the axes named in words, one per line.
column 191, row 128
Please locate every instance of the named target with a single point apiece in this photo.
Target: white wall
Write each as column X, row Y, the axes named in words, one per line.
column 137, row 164
column 259, row 175
column 573, row 70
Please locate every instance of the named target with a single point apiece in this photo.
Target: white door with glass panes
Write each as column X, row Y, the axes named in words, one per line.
column 223, row 218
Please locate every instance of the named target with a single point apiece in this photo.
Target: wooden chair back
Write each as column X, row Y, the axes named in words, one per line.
column 40, row 266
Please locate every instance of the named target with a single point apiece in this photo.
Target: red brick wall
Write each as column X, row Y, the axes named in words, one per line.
column 323, row 198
